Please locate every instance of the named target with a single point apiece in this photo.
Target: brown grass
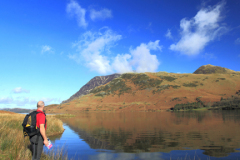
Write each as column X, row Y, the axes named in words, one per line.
column 190, row 86
column 12, row 144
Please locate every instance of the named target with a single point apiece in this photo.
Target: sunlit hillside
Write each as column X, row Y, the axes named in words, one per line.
column 154, row 92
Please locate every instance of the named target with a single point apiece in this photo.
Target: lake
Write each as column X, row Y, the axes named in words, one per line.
column 151, row 135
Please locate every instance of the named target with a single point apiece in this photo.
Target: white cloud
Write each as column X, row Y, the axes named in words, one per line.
column 92, row 48
column 154, row 45
column 142, row 59
column 100, row 15
column 237, row 41
column 200, row 30
column 139, row 58
column 121, row 63
column 47, row 48
column 20, row 90
column 169, row 34
column 74, row 9
column 5, row 100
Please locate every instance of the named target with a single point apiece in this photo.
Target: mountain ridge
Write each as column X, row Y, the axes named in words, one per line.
column 94, row 82
column 151, row 91
column 155, row 91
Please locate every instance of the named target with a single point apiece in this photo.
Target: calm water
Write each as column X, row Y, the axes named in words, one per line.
column 151, row 135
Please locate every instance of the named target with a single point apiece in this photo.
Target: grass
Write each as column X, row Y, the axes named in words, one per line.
column 64, row 115
column 12, row 144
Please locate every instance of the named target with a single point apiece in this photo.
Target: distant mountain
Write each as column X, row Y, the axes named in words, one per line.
column 211, row 69
column 94, row 82
column 18, row 110
column 151, row 91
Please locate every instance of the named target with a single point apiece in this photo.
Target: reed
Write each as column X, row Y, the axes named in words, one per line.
column 12, row 144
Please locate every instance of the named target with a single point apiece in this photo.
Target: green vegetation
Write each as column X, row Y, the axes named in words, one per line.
column 118, row 84
column 163, row 87
column 127, row 76
column 227, row 104
column 168, row 78
column 190, row 85
column 220, row 79
column 238, row 92
column 230, row 103
column 187, row 106
column 111, row 88
column 144, row 82
column 176, row 98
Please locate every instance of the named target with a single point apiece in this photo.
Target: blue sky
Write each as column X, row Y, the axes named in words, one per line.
column 49, row 49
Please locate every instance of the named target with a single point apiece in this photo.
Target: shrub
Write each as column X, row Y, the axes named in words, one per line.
column 144, row 82
column 190, row 85
column 168, row 78
column 187, row 106
column 115, row 85
column 127, row 76
column 176, row 98
column 163, row 87
column 222, row 78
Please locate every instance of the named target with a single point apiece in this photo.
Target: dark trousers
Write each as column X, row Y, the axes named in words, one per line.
column 36, row 147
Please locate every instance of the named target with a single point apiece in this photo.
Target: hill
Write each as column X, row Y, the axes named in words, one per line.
column 8, row 112
column 154, row 92
column 94, row 82
column 211, row 69
column 18, row 110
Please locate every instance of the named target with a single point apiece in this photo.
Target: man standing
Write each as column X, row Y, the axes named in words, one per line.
column 37, row 141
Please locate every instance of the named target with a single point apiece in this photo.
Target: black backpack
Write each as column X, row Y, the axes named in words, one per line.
column 30, row 128
column 29, row 124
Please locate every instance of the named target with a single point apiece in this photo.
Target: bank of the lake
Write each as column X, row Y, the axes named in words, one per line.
column 12, row 144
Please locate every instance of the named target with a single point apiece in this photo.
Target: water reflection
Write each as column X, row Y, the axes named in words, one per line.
column 216, row 133
column 56, row 137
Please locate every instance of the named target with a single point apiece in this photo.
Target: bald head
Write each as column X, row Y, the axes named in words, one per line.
column 40, row 104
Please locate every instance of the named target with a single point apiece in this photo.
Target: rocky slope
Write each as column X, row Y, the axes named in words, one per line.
column 154, row 92
column 96, row 81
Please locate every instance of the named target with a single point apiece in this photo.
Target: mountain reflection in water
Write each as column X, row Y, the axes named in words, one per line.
column 216, row 133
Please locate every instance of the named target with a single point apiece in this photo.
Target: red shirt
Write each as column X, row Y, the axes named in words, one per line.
column 41, row 119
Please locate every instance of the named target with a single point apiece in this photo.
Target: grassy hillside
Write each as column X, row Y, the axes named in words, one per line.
column 210, row 69
column 153, row 92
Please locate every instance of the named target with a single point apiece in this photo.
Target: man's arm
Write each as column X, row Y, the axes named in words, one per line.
column 43, row 133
